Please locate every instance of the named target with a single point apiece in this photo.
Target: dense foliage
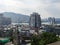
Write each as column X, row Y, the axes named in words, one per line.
column 44, row 38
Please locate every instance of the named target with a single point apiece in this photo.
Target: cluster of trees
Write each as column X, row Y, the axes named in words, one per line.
column 44, row 39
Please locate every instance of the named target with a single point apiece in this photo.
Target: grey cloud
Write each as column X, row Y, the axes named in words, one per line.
column 25, row 10
column 53, row 11
column 50, row 1
column 55, row 1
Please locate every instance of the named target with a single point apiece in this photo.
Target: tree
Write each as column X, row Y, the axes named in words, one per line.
column 45, row 38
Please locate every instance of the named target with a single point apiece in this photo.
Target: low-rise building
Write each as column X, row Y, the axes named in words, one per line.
column 4, row 20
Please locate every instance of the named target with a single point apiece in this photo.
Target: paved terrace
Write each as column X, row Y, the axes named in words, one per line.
column 10, row 43
column 56, row 43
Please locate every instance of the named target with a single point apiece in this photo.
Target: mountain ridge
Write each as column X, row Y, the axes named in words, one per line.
column 21, row 18
column 16, row 18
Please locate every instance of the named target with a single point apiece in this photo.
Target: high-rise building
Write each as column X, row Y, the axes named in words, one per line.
column 35, row 21
column 51, row 20
column 4, row 20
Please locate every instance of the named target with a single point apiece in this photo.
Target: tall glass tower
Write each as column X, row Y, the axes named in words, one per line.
column 35, row 21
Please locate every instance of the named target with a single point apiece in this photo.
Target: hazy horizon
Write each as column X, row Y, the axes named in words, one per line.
column 46, row 8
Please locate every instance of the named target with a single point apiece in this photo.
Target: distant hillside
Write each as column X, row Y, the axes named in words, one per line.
column 17, row 17
column 24, row 18
column 57, row 20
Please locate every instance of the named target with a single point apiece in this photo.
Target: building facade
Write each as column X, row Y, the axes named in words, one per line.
column 4, row 20
column 35, row 21
column 51, row 20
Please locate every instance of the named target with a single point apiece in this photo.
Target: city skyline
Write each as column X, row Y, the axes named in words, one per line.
column 46, row 8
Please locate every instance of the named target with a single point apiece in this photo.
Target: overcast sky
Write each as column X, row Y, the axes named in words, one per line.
column 46, row 8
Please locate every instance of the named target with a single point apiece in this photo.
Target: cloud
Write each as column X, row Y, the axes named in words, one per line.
column 45, row 8
column 55, row 1
column 54, row 8
column 54, row 11
column 50, row 1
